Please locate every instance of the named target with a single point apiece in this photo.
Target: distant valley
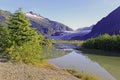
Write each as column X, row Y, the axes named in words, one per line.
column 67, row 35
column 109, row 24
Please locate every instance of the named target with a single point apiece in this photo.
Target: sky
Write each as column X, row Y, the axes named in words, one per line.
column 73, row 13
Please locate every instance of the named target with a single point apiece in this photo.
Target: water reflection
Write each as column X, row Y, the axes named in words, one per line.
column 50, row 53
column 65, row 46
column 82, row 63
column 64, row 56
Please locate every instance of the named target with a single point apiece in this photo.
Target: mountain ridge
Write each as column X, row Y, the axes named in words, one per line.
column 42, row 25
column 109, row 24
column 45, row 25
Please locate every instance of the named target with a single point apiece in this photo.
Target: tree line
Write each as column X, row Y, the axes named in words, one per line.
column 104, row 42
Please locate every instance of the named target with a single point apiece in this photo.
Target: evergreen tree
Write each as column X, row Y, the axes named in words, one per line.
column 20, row 31
column 25, row 43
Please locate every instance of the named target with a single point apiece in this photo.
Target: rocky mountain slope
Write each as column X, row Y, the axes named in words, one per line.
column 46, row 26
column 3, row 16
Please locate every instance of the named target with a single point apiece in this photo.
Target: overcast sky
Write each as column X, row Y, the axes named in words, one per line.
column 74, row 13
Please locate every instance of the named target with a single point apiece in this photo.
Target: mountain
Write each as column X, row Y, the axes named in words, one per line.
column 79, row 32
column 85, row 29
column 109, row 24
column 3, row 16
column 46, row 26
column 67, row 35
column 41, row 24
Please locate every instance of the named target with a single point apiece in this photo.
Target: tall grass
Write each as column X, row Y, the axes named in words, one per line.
column 82, row 76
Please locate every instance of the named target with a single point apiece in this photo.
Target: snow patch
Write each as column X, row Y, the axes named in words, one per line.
column 34, row 16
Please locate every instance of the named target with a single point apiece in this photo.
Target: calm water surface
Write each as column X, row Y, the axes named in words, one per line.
column 67, row 57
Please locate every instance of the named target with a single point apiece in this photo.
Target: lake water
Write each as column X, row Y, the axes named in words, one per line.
column 65, row 56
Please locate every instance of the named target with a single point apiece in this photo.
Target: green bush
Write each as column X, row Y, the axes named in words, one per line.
column 4, row 38
column 45, row 42
column 29, row 52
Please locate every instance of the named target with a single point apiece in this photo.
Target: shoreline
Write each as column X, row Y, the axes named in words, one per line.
column 17, row 71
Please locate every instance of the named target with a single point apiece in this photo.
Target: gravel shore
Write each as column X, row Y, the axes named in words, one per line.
column 16, row 71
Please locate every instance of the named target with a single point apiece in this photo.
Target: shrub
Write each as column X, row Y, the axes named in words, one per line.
column 4, row 38
column 29, row 52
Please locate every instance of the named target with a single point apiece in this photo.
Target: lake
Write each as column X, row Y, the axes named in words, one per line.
column 64, row 56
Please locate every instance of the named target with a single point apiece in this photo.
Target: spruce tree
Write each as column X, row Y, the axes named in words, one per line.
column 20, row 31
column 25, row 45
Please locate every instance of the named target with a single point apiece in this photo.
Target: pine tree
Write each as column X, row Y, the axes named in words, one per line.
column 25, row 45
column 20, row 31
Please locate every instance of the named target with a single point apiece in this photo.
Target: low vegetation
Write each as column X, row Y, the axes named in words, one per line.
column 76, row 42
column 82, row 76
column 104, row 42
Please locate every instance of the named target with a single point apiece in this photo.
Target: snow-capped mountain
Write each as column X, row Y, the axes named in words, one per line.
column 33, row 15
column 45, row 25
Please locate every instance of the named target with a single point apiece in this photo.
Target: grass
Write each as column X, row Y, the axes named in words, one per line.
column 44, row 64
column 76, row 42
column 82, row 76
column 110, row 63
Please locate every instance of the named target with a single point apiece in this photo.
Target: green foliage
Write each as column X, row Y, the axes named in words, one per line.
column 82, row 76
column 104, row 42
column 45, row 42
column 29, row 52
column 4, row 38
column 19, row 42
column 20, row 31
column 24, row 41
